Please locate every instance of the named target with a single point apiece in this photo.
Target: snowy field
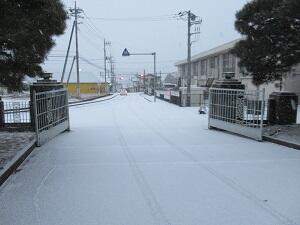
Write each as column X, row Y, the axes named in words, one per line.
column 129, row 161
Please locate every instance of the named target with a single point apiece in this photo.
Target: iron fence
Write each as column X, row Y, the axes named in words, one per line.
column 238, row 111
column 17, row 112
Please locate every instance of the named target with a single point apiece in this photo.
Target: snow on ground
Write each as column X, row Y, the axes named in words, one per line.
column 129, row 161
column 11, row 144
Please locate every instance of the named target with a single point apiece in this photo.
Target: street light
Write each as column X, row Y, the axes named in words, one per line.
column 126, row 53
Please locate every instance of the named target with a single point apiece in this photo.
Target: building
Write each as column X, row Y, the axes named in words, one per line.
column 149, row 83
column 88, row 88
column 213, row 64
column 171, row 79
column 90, row 84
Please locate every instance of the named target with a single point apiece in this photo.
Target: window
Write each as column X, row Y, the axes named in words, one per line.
column 195, row 69
column 203, row 67
column 228, row 63
column 183, row 71
column 212, row 62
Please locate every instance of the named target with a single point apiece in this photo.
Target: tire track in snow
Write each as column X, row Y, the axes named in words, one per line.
column 224, row 179
column 36, row 196
column 148, row 195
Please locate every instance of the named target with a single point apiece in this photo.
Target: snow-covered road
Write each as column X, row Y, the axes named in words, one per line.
column 128, row 161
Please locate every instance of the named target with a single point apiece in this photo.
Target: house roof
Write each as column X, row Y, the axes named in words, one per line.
column 210, row 52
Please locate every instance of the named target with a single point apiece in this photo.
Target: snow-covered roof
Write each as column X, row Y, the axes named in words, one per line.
column 213, row 51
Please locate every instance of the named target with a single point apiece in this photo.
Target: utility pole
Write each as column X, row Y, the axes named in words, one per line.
column 74, row 58
column 67, row 55
column 192, row 20
column 105, row 59
column 76, row 13
column 111, row 73
column 144, row 80
column 77, row 50
column 189, row 69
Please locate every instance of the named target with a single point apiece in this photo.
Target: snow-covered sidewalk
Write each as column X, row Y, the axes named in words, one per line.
column 129, row 161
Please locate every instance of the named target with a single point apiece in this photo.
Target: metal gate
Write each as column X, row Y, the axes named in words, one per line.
column 238, row 111
column 51, row 114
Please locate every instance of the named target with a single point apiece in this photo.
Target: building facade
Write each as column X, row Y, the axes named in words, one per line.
column 88, row 88
column 213, row 64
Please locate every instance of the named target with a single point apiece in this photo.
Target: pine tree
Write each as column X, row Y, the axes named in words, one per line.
column 272, row 38
column 26, row 36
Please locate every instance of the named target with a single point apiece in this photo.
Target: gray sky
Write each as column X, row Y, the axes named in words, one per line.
column 166, row 37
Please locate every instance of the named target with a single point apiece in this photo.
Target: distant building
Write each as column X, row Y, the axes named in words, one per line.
column 149, row 83
column 171, row 78
column 211, row 65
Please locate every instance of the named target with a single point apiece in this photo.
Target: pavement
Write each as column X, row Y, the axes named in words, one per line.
column 129, row 161
column 14, row 148
column 11, row 143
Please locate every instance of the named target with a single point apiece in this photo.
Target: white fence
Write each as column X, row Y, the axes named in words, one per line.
column 238, row 111
column 51, row 114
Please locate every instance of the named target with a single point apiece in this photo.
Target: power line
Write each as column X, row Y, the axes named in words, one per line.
column 92, row 64
column 92, row 25
column 92, row 31
column 138, row 19
column 90, row 41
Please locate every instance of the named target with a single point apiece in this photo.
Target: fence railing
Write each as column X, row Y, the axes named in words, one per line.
column 17, row 112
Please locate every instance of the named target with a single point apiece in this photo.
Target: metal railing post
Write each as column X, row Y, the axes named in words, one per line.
column 36, row 125
column 262, row 113
column 209, row 108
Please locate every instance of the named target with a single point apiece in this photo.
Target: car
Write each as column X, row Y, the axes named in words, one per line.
column 123, row 92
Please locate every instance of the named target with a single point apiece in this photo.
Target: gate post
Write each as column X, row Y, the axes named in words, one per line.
column 261, row 127
column 2, row 117
column 35, row 118
column 41, row 86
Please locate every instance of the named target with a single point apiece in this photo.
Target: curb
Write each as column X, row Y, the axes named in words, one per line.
column 90, row 99
column 281, row 142
column 12, row 166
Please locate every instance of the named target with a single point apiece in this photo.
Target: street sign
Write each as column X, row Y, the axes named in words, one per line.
column 125, row 52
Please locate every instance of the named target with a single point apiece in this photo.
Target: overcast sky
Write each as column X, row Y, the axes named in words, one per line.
column 166, row 37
